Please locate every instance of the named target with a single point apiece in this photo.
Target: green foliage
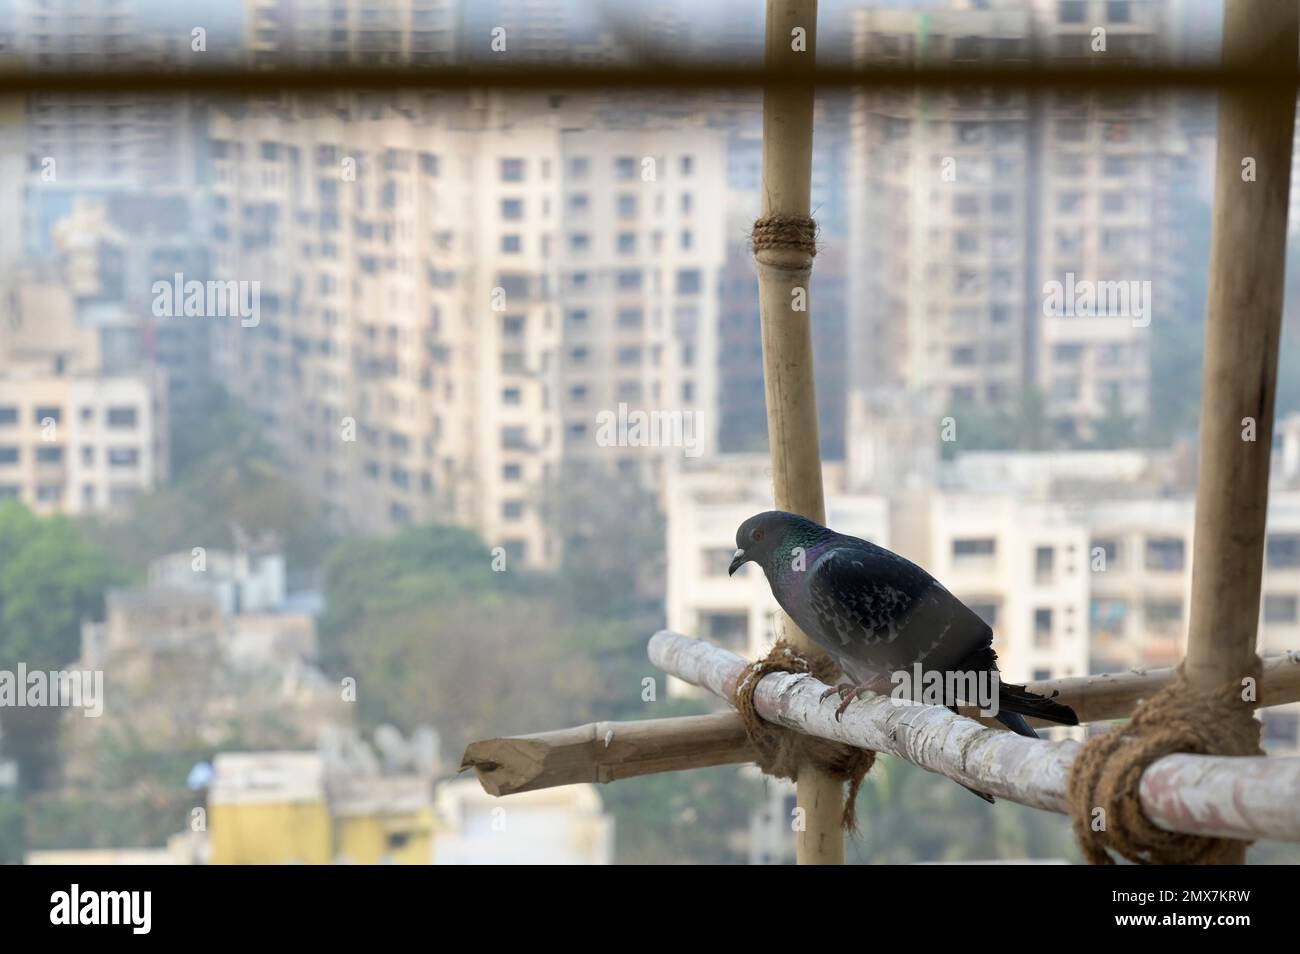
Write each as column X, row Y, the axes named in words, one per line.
column 682, row 816
column 1022, row 425
column 13, row 845
column 51, row 579
column 105, row 822
column 224, row 474
column 908, row 815
column 368, row 578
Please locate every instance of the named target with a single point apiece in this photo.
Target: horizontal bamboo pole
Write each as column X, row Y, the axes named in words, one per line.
column 687, row 76
column 606, row 752
column 570, row 756
column 1223, row 796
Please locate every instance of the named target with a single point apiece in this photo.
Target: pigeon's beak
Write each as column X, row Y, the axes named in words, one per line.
column 737, row 560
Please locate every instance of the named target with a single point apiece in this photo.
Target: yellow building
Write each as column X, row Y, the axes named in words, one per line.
column 279, row 808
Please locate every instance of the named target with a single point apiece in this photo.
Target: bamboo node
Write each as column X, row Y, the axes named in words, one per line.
column 785, row 232
column 782, row 751
column 1108, row 769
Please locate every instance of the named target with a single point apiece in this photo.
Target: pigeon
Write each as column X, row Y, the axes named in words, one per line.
column 877, row 614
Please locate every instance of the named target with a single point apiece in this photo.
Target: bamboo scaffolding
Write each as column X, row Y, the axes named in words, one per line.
column 580, row 754
column 1222, row 796
column 1097, row 75
column 1247, row 269
column 783, row 274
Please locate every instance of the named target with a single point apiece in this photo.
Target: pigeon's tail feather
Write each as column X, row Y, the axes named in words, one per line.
column 1016, row 723
column 988, row 798
column 1017, row 700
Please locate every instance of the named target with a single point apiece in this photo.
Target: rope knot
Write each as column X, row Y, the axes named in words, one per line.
column 782, row 751
column 795, row 232
column 1107, row 772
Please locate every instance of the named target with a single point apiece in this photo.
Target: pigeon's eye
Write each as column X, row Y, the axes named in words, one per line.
column 758, row 534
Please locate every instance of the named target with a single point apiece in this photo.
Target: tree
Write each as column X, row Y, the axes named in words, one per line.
column 51, row 578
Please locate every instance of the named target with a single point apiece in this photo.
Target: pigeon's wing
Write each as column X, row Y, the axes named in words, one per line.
column 885, row 612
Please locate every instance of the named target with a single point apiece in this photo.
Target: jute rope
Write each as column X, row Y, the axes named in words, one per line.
column 1107, row 771
column 795, row 232
column 780, row 750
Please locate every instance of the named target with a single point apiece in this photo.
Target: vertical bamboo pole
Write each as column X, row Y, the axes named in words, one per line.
column 787, row 350
column 1247, row 267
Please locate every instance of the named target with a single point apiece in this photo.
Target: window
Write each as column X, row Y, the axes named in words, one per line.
column 986, row 611
column 512, row 210
column 512, row 170
column 1119, row 11
column 8, row 455
column 49, row 455
column 627, row 205
column 49, row 493
column 511, row 244
column 514, row 438
column 123, row 457
column 627, row 243
column 578, row 202
column 51, row 413
column 629, row 318
column 511, row 396
column 717, row 560
column 1071, row 11
column 973, row 548
column 625, row 168
column 512, row 472
column 1280, row 609
column 1044, row 558
column 121, row 418
column 687, row 164
column 726, row 629
column 1110, row 554
column 579, row 166
column 579, row 242
column 1106, row 618
column 1164, row 617
column 629, row 280
column 1042, row 627
column 88, row 457
column 1165, row 554
column 1283, row 550
column 688, row 281
column 8, row 415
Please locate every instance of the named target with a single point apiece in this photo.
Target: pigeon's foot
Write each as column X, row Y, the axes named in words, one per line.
column 848, row 694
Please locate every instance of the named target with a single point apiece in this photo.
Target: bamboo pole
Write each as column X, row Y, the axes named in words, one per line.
column 1247, row 269
column 1210, row 795
column 521, row 78
column 570, row 756
column 783, row 275
column 606, row 752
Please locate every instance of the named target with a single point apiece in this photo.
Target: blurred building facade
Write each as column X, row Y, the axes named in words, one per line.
column 446, row 312
column 965, row 205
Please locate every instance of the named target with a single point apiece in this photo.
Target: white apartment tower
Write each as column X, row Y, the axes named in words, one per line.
column 967, row 203
column 447, row 310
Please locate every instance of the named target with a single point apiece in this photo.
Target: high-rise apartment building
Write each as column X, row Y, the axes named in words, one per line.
column 969, row 206
column 367, row 33
column 449, row 312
